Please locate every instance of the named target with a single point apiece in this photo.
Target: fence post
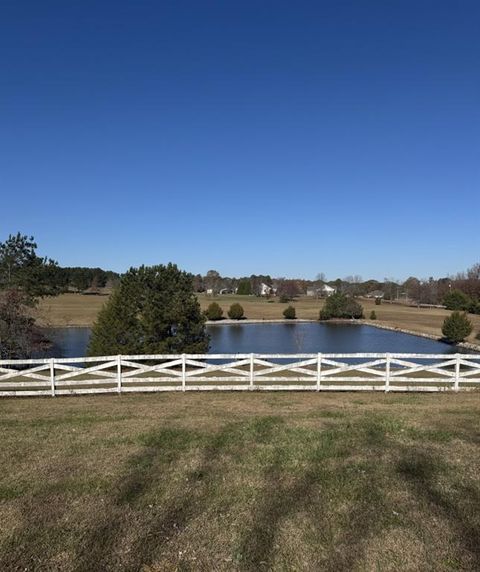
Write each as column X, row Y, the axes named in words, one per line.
column 457, row 372
column 119, row 374
column 52, row 376
column 184, row 371
column 387, row 374
column 319, row 370
column 252, row 375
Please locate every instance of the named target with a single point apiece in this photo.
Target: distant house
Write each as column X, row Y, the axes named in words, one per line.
column 226, row 291
column 327, row 290
column 375, row 294
column 321, row 292
column 266, row 290
column 209, row 291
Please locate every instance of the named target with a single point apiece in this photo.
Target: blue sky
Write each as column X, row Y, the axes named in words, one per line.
column 287, row 138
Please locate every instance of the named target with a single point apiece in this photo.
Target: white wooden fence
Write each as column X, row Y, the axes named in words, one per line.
column 239, row 372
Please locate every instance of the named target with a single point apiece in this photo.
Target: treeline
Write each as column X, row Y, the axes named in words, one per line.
column 21, row 268
column 84, row 279
column 458, row 292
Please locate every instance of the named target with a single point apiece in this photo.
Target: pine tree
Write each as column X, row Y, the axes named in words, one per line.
column 456, row 327
column 152, row 311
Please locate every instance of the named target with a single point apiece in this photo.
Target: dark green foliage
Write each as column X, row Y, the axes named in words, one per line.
column 289, row 313
column 341, row 306
column 214, row 312
column 152, row 311
column 22, row 269
column 373, row 315
column 457, row 327
column 475, row 307
column 457, row 300
column 236, row 312
column 18, row 335
column 284, row 299
column 378, row 301
column 244, row 288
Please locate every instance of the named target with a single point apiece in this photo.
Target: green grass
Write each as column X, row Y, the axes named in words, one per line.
column 240, row 482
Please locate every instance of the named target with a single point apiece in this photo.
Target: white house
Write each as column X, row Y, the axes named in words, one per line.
column 323, row 291
column 266, row 290
column 375, row 294
column 327, row 290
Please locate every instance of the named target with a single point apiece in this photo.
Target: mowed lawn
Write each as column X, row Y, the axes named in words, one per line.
column 82, row 310
column 248, row 482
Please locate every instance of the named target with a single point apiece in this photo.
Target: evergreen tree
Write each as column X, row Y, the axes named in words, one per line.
column 22, row 269
column 152, row 311
column 457, row 300
column 457, row 327
column 341, row 306
column 244, row 288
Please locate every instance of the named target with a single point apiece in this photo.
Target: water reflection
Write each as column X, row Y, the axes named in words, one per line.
column 279, row 338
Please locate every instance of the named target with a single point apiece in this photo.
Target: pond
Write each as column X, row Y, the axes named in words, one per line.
column 280, row 338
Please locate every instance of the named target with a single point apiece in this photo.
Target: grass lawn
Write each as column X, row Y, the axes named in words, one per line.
column 81, row 310
column 240, row 482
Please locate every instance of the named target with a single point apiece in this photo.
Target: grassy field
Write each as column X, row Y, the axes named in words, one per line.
column 80, row 310
column 240, row 482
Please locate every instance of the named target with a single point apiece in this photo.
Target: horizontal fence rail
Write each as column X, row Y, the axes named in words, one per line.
column 240, row 372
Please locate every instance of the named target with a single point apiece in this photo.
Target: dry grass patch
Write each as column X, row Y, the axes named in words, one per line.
column 240, row 482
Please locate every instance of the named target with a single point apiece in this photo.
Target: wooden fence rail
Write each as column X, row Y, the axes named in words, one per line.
column 240, row 372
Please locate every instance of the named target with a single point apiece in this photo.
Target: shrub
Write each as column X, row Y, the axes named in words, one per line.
column 236, row 312
column 290, row 313
column 475, row 307
column 457, row 300
column 456, row 327
column 214, row 312
column 284, row 299
column 373, row 315
column 341, row 306
column 378, row 301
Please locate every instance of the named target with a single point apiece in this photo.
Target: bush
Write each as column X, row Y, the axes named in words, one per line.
column 342, row 307
column 214, row 312
column 456, row 327
column 378, row 301
column 289, row 313
column 236, row 312
column 373, row 316
column 475, row 307
column 457, row 300
column 284, row 299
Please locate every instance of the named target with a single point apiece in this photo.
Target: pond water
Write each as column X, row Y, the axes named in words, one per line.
column 279, row 338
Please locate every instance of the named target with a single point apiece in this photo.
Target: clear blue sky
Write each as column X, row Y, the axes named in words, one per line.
column 287, row 138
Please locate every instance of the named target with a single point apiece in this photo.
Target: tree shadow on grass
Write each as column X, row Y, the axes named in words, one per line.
column 285, row 494
column 162, row 524
column 421, row 471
